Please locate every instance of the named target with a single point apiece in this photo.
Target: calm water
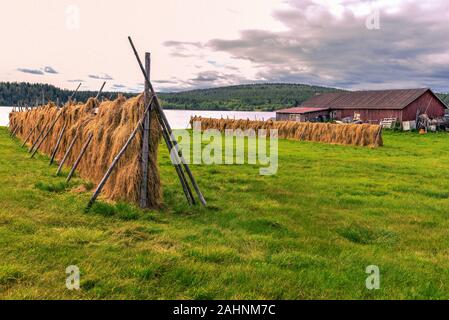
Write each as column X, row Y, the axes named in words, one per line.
column 179, row 119
column 4, row 112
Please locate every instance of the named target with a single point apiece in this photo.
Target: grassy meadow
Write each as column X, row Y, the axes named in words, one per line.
column 308, row 232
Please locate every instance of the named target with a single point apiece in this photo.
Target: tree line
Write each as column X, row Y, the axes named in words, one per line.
column 242, row 97
column 261, row 97
column 31, row 94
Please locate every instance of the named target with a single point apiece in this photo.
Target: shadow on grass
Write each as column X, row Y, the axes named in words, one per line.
column 52, row 187
column 363, row 235
column 120, row 210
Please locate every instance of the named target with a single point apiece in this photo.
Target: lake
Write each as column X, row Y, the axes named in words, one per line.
column 179, row 119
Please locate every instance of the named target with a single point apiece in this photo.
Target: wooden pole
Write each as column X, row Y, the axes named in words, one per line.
column 15, row 131
column 118, row 156
column 164, row 122
column 145, row 139
column 61, row 134
column 101, row 90
column 165, row 133
column 75, row 92
column 31, row 132
column 66, row 155
column 182, row 178
column 12, row 127
column 77, row 162
column 41, row 132
column 46, row 133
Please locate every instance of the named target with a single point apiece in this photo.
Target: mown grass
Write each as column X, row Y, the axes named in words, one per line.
column 307, row 232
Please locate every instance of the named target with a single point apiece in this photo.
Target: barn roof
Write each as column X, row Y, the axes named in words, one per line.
column 378, row 99
column 301, row 110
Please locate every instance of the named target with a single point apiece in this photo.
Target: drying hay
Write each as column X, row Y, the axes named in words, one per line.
column 346, row 134
column 111, row 123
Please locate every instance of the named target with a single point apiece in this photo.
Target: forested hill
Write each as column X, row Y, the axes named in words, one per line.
column 13, row 94
column 264, row 97
column 243, row 97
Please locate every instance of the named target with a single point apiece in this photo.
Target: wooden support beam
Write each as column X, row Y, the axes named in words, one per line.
column 164, row 123
column 41, row 132
column 101, row 90
column 55, row 150
column 176, row 162
column 11, row 128
column 66, row 155
column 15, row 131
column 145, row 139
column 31, row 132
column 46, row 134
column 75, row 92
column 118, row 156
column 77, row 162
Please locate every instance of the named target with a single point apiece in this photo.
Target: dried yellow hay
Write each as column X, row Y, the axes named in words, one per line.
column 111, row 127
column 347, row 134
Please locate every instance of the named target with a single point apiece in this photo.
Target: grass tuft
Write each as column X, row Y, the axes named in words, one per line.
column 127, row 212
column 365, row 235
column 104, row 209
column 9, row 275
column 52, row 187
column 120, row 210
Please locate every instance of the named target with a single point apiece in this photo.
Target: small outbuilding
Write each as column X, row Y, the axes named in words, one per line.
column 368, row 106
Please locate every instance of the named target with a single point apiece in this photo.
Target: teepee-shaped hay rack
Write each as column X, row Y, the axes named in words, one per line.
column 111, row 143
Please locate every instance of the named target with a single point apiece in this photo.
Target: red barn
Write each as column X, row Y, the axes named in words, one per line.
column 368, row 106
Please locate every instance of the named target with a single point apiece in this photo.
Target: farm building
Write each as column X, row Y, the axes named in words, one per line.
column 367, row 106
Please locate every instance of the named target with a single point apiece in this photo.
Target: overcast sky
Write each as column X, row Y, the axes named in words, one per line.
column 205, row 43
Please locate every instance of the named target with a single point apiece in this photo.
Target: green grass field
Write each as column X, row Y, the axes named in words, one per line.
column 308, row 232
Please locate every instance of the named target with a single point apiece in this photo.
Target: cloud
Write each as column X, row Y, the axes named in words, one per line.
column 182, row 49
column 331, row 45
column 182, row 44
column 164, row 82
column 212, row 78
column 102, row 76
column 41, row 71
column 75, row 80
column 31, row 71
column 118, row 86
column 49, row 69
column 208, row 76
